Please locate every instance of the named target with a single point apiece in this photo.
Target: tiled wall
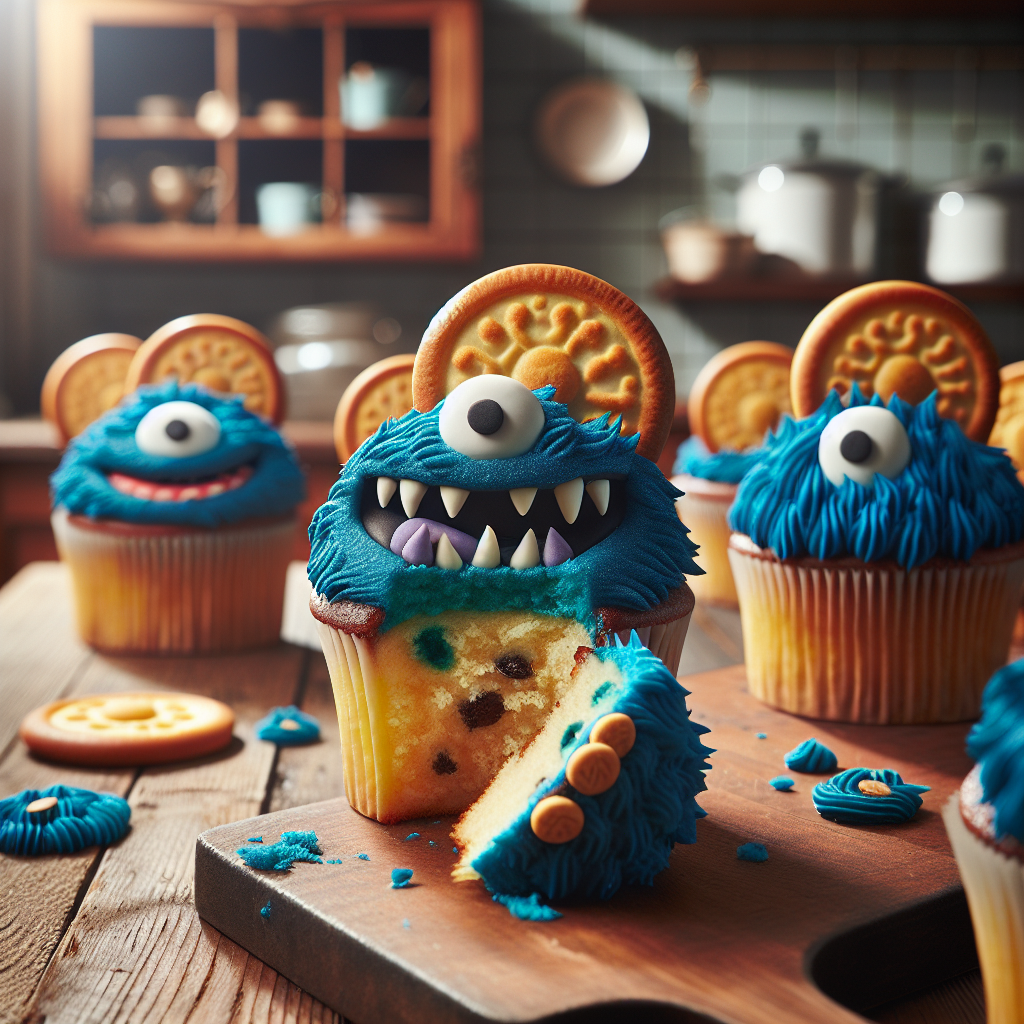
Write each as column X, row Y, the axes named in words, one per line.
column 902, row 124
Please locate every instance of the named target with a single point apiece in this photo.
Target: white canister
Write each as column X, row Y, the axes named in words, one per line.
column 286, row 207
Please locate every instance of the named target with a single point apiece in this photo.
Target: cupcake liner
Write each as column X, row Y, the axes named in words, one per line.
column 661, row 629
column 994, row 884
column 167, row 589
column 704, row 509
column 851, row 642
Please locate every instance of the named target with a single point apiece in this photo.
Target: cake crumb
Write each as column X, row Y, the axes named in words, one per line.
column 756, row 852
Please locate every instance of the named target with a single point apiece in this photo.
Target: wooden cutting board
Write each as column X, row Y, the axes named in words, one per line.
column 865, row 914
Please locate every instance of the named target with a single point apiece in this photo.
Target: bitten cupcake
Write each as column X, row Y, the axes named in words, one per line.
column 985, row 822
column 175, row 514
column 878, row 561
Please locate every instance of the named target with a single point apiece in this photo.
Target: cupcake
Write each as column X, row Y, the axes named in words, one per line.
column 465, row 561
column 175, row 514
column 878, row 562
column 985, row 822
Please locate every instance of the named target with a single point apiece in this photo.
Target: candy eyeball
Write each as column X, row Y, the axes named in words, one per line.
column 177, row 429
column 491, row 417
column 863, row 441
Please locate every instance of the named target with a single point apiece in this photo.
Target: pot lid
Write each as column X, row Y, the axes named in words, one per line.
column 811, row 163
column 992, row 179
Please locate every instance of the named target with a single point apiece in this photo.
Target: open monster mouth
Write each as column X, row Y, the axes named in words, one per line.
column 185, row 490
column 521, row 528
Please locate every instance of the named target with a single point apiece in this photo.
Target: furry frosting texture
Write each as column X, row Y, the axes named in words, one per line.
column 108, row 446
column 724, row 467
column 635, row 566
column 952, row 498
column 996, row 742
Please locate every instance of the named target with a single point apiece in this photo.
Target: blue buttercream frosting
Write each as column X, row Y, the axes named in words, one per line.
column 811, row 757
column 840, row 799
column 635, row 567
column 630, row 829
column 80, row 483
column 725, row 467
column 79, row 819
column 954, row 497
column 302, row 729
column 280, row 856
column 996, row 742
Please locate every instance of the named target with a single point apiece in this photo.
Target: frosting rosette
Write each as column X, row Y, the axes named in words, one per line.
column 60, row 819
column 867, row 796
column 811, row 757
column 725, row 466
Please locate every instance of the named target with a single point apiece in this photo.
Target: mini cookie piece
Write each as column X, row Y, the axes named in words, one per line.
column 811, row 757
column 740, row 394
column 288, row 727
column 128, row 728
column 381, row 392
column 1008, row 431
column 219, row 352
column 900, row 338
column 60, row 819
column 86, row 380
column 867, row 796
column 542, row 325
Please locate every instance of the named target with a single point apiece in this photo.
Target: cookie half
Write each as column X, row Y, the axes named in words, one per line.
column 1008, row 431
column 544, row 324
column 382, row 391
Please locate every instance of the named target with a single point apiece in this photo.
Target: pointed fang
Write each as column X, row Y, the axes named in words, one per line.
column 386, row 488
column 527, row 555
column 569, row 497
column 412, row 492
column 556, row 550
column 454, row 498
column 488, row 554
column 522, row 498
column 418, row 550
column 600, row 491
column 447, row 557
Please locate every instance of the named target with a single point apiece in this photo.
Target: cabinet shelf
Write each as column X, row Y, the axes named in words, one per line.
column 133, row 128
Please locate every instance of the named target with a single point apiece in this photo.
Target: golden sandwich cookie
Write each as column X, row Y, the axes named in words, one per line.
column 382, row 391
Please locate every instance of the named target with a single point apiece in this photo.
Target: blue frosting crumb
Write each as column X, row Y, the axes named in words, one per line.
column 527, row 908
column 756, row 852
column 954, row 497
column 725, row 467
column 255, row 839
column 405, row 923
column 400, row 877
column 333, row 860
column 412, row 835
column 80, row 818
column 811, row 757
column 839, row 798
column 783, row 783
column 455, row 849
column 762, row 735
column 362, row 856
column 265, row 911
column 288, row 727
column 996, row 742
column 279, row 856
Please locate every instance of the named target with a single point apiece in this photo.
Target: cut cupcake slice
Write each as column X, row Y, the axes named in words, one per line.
column 601, row 795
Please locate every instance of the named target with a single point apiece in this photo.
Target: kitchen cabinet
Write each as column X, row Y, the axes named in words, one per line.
column 119, row 82
column 771, row 9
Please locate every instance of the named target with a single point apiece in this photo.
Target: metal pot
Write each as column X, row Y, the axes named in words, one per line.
column 976, row 226
column 821, row 214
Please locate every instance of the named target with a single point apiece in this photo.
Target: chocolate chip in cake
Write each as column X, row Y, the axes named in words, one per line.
column 482, row 710
column 515, row 666
column 444, row 765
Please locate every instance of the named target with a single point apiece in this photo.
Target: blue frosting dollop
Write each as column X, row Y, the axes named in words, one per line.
column 811, row 757
column 280, row 856
column 630, row 829
column 725, row 467
column 635, row 567
column 108, row 445
column 80, row 818
column 996, row 742
column 304, row 728
column 839, row 798
column 954, row 497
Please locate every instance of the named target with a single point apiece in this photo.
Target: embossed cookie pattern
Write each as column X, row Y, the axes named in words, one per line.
column 745, row 402
column 92, row 387
column 1008, row 431
column 391, row 398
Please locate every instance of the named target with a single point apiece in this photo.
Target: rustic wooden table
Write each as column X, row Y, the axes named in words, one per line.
column 112, row 934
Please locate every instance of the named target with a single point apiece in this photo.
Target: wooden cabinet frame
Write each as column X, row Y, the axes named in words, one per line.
column 67, row 129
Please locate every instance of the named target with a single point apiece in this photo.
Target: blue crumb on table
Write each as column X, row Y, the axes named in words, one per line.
column 412, row 835
column 362, row 856
column 756, row 852
column 255, row 839
column 405, row 923
column 400, row 878
column 783, row 783
column 280, row 856
column 762, row 735
column 265, row 911
column 811, row 757
column 455, row 849
column 527, row 908
column 430, row 842
column 288, row 727
column 334, row 860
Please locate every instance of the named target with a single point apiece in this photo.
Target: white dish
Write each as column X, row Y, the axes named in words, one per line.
column 593, row 132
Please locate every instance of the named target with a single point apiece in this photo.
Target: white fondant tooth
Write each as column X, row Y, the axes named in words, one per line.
column 454, row 498
column 527, row 555
column 488, row 554
column 569, row 497
column 446, row 557
column 385, row 490
column 522, row 498
column 600, row 491
column 411, row 492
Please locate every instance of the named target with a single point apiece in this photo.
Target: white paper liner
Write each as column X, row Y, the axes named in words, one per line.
column 994, row 884
column 875, row 644
column 704, row 511
column 180, row 592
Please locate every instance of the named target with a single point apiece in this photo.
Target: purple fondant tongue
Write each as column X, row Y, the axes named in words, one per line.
column 462, row 542
column 556, row 550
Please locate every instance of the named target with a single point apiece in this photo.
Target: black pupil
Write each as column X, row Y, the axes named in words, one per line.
column 177, row 430
column 485, row 416
column 856, row 446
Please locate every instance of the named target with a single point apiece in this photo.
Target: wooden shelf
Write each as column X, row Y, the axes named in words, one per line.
column 132, row 128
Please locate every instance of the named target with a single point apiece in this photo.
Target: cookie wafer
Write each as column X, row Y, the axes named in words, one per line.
column 382, row 391
column 544, row 324
column 1008, row 431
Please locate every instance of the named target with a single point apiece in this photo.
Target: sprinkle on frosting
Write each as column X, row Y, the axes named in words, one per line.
column 954, row 497
column 842, row 798
column 288, row 727
column 996, row 742
column 724, row 467
column 251, row 471
column 279, row 856
column 811, row 757
column 60, row 819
